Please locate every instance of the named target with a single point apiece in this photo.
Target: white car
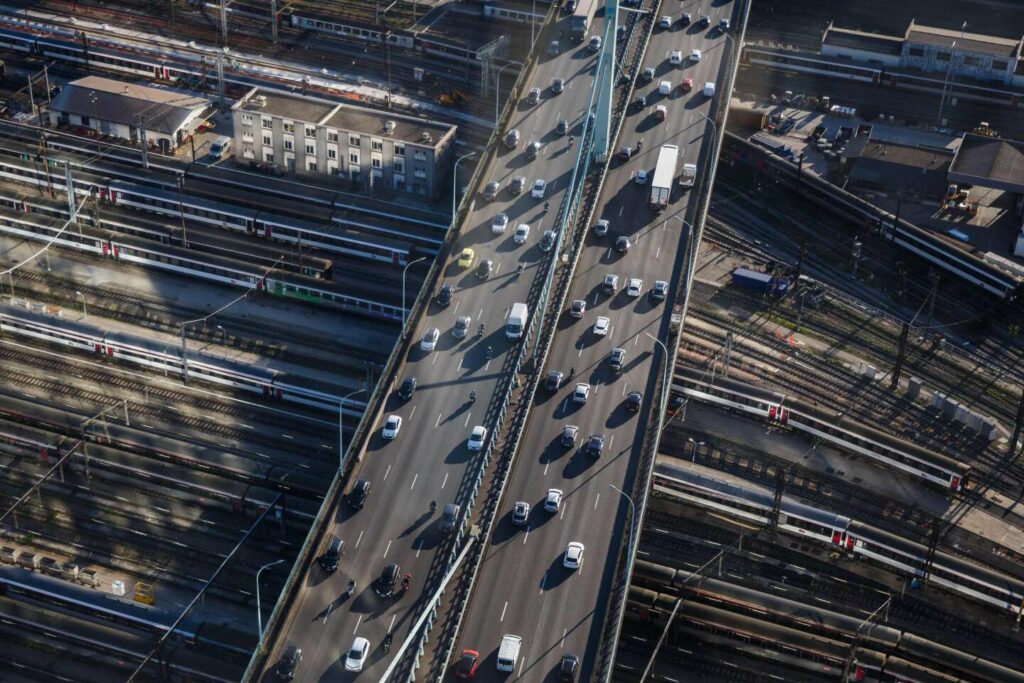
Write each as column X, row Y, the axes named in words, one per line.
column 675, row 57
column 429, row 342
column 694, row 55
column 666, row 22
column 601, row 326
column 573, row 556
column 392, row 426
column 641, row 177
column 634, row 286
column 553, row 501
column 499, row 223
column 539, row 187
column 581, row 392
column 477, row 438
column 521, row 234
column 356, row 656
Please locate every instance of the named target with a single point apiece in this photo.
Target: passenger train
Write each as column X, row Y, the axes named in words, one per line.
column 17, row 321
column 830, row 426
column 852, row 538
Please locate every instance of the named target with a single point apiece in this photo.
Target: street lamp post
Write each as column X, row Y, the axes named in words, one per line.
column 404, row 270
column 949, row 73
column 455, row 182
column 664, row 372
column 694, row 445
column 85, row 309
column 259, row 612
column 341, row 429
column 223, row 341
column 497, row 90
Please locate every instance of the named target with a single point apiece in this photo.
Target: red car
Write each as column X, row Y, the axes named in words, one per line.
column 686, row 85
column 465, row 667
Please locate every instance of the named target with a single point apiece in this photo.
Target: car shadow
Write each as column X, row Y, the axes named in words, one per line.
column 556, row 574
column 506, row 530
column 578, row 464
column 417, row 523
column 619, row 416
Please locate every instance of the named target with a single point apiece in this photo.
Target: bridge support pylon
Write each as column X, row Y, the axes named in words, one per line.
column 605, row 83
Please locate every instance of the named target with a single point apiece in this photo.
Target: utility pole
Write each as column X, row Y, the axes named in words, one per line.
column 273, row 21
column 856, row 255
column 143, row 144
column 181, row 210
column 800, row 261
column 800, row 309
column 934, row 277
column 32, row 99
column 70, row 185
column 1018, row 421
column 901, row 282
column 220, row 77
column 224, row 21
column 900, row 355
column 728, row 354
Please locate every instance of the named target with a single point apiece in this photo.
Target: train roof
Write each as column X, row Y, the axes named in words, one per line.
column 173, row 198
column 956, row 658
column 763, row 629
column 793, row 609
column 904, row 670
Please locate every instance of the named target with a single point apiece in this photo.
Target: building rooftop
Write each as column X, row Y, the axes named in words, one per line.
column 372, row 122
column 886, row 164
column 876, row 42
column 990, row 162
column 971, row 42
column 162, row 110
column 293, row 107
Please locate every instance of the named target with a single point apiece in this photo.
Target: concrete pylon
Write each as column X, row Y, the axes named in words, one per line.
column 605, row 83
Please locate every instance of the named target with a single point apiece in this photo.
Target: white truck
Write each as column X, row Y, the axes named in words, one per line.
column 689, row 175
column 508, row 652
column 664, row 174
column 516, row 322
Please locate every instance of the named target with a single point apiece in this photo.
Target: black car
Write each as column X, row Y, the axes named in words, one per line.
column 407, row 388
column 685, row 19
column 483, row 271
column 388, row 578
column 595, row 445
column 568, row 667
column 553, row 380
column 639, row 103
column 289, row 663
column 357, row 496
column 633, row 401
column 444, row 297
column 330, row 558
column 562, row 127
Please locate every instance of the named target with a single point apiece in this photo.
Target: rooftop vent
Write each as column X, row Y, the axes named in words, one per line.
column 426, row 137
column 260, row 100
column 389, row 127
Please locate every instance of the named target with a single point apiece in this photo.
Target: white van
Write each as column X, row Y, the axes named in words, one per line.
column 508, row 652
column 709, row 89
column 665, row 88
column 220, row 147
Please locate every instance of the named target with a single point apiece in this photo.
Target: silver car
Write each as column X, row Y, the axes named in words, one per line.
column 462, row 324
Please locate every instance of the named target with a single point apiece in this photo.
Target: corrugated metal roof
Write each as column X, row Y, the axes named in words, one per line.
column 992, row 159
column 161, row 110
column 968, row 42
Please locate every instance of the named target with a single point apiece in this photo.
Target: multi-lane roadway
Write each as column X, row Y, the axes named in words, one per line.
column 429, row 460
column 523, row 587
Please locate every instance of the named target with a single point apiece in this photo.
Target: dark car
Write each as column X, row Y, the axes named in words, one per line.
column 553, row 381
column 517, row 185
column 633, row 401
column 562, row 127
column 332, row 556
column 449, row 517
column 568, row 668
column 483, row 271
column 568, row 438
column 639, row 102
column 388, row 578
column 595, row 444
column 703, row 20
column 444, row 297
column 407, row 388
column 466, row 665
column 289, row 663
column 357, row 496
column 685, row 19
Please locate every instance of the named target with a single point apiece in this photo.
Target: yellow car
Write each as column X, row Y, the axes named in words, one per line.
column 466, row 258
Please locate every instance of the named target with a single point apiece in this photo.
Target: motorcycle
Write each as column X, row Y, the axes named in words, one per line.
column 386, row 644
column 480, row 330
column 351, row 588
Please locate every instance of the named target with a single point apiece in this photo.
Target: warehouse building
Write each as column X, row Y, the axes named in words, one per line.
column 122, row 110
column 310, row 136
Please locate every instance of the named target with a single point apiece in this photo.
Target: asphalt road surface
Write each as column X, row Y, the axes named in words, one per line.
column 429, row 459
column 523, row 587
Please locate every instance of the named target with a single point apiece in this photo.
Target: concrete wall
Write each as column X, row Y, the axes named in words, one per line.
column 860, row 56
column 938, row 59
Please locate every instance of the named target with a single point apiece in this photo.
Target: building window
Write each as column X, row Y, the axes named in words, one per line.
column 289, row 144
column 353, row 158
column 267, row 141
column 310, row 149
column 310, row 132
column 375, row 162
column 972, row 61
column 268, row 156
column 376, row 144
column 942, row 56
column 420, row 156
column 400, row 166
column 311, row 166
column 248, row 153
column 399, row 150
column 419, row 173
column 1000, row 66
column 332, row 135
column 246, row 119
column 332, row 153
column 353, row 140
column 916, row 52
column 247, row 137
column 267, row 123
column 289, row 126
column 85, row 120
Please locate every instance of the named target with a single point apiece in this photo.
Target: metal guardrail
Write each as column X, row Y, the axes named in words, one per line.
column 641, row 487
